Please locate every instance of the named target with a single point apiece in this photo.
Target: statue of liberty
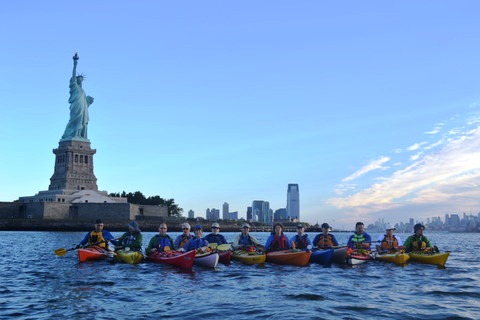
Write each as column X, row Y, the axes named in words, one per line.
column 79, row 103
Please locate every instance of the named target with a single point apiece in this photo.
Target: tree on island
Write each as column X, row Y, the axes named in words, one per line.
column 138, row 198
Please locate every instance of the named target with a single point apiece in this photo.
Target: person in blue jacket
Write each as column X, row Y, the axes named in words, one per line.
column 97, row 237
column 360, row 239
column 181, row 241
column 301, row 239
column 215, row 236
column 197, row 242
column 277, row 241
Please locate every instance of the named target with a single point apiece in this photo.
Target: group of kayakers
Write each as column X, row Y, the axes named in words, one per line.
column 359, row 240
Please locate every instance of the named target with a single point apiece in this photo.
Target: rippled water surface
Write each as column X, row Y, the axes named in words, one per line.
column 36, row 284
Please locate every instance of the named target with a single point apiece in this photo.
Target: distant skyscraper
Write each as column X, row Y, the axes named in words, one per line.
column 191, row 214
column 225, row 211
column 293, row 201
column 249, row 214
column 261, row 211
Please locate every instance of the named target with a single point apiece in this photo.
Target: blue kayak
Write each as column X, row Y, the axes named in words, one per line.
column 321, row 256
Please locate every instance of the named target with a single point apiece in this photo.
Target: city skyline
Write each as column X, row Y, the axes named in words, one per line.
column 373, row 109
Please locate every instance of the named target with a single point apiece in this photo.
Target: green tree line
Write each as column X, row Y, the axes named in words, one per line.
column 139, row 198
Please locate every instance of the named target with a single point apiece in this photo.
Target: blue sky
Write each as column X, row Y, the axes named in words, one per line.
column 373, row 108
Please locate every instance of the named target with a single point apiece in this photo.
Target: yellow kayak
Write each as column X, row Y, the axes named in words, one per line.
column 253, row 257
column 439, row 258
column 399, row 258
column 132, row 257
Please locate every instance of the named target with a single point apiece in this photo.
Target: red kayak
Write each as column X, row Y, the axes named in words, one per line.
column 179, row 259
column 224, row 256
column 93, row 253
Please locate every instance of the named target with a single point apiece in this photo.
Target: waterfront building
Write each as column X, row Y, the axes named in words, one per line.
column 280, row 214
column 225, row 211
column 191, row 214
column 261, row 211
column 249, row 214
column 293, row 201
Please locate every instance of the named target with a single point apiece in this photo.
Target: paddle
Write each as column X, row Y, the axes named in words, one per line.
column 62, row 251
column 224, row 247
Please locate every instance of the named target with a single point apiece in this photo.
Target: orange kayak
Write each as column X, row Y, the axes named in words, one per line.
column 293, row 257
column 93, row 253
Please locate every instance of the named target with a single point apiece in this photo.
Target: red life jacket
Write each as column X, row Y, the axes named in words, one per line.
column 279, row 243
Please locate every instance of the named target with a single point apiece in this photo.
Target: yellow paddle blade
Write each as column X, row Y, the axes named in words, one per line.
column 61, row 252
column 167, row 248
column 224, row 247
column 213, row 245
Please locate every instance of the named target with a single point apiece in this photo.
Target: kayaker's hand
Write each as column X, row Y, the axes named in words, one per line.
column 181, row 250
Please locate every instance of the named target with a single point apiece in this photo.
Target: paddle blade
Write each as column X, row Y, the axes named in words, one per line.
column 213, row 245
column 61, row 252
column 224, row 247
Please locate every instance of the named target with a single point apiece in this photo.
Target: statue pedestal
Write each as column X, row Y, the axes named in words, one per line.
column 73, row 166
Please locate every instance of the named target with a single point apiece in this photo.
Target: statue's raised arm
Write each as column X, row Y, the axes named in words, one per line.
column 79, row 102
column 75, row 61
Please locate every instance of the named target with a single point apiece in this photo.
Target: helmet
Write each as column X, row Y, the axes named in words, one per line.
column 418, row 226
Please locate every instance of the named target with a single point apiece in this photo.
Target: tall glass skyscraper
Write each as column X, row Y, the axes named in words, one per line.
column 293, row 201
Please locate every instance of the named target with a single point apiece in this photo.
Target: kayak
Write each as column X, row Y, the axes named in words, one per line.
column 438, row 258
column 132, row 257
column 179, row 259
column 93, row 253
column 224, row 256
column 249, row 257
column 399, row 258
column 294, row 257
column 321, row 256
column 339, row 254
column 207, row 259
column 356, row 257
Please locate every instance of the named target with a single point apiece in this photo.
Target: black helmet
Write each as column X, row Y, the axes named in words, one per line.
column 418, row 226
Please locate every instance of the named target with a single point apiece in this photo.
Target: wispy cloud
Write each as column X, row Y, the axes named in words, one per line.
column 416, row 146
column 450, row 175
column 373, row 165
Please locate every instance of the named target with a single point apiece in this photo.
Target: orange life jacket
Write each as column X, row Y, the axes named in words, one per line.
column 324, row 241
column 389, row 243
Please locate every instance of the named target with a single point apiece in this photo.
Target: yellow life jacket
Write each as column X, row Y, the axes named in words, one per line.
column 418, row 245
column 95, row 237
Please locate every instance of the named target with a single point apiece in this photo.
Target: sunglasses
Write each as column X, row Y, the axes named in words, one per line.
column 185, row 229
column 215, row 228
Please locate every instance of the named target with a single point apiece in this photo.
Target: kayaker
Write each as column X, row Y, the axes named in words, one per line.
column 131, row 239
column 160, row 242
column 301, row 239
column 325, row 240
column 245, row 239
column 389, row 242
column 359, row 239
column 277, row 241
column 98, row 236
column 417, row 241
column 181, row 242
column 197, row 242
column 215, row 236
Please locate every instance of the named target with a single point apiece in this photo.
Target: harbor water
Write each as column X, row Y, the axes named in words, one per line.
column 36, row 284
